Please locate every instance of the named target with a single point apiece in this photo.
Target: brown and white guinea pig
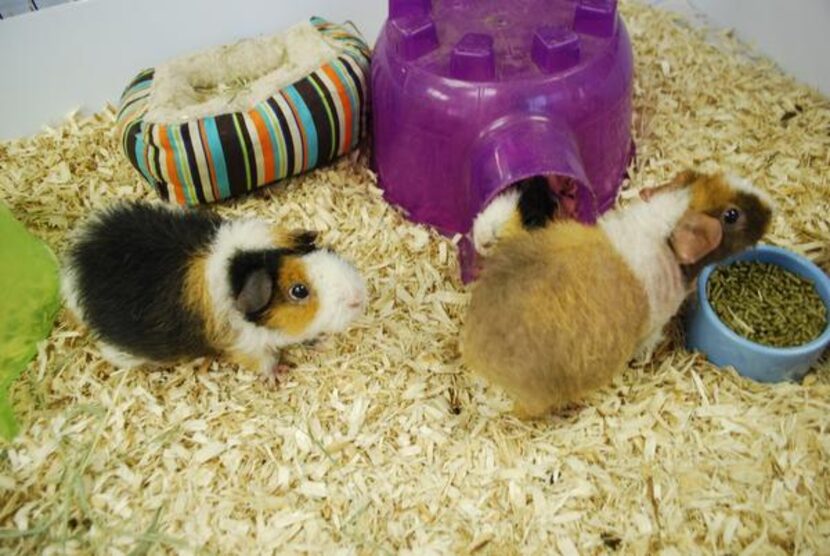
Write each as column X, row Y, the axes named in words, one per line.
column 156, row 284
column 559, row 311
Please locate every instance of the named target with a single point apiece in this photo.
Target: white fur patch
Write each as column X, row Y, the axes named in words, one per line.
column 233, row 236
column 489, row 223
column 119, row 358
column 340, row 289
column 640, row 233
column 198, row 85
column 70, row 292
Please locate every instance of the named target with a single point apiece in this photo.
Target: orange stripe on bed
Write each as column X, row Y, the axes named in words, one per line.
column 347, row 107
column 267, row 147
column 170, row 162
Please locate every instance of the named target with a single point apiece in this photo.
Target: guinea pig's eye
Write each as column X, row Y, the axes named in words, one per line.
column 731, row 215
column 298, row 291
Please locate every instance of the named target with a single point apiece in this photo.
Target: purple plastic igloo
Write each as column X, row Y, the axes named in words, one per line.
column 471, row 96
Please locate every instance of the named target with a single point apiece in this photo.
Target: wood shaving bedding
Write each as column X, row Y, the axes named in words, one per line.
column 379, row 442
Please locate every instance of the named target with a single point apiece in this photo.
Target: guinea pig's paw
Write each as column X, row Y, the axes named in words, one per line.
column 645, row 352
column 269, row 379
column 270, row 375
column 491, row 223
column 284, row 367
column 119, row 358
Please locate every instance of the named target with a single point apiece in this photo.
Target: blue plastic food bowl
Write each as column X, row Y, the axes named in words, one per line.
column 723, row 347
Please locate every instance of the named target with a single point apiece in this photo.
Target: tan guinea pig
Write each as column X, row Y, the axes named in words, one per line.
column 558, row 312
column 159, row 285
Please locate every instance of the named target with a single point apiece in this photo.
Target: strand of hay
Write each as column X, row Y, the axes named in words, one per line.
column 380, row 443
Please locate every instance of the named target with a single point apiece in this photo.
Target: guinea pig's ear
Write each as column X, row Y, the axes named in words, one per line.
column 686, row 177
column 304, row 241
column 255, row 293
column 695, row 236
column 683, row 179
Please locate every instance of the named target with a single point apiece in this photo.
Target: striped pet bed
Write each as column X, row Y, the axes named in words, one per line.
column 200, row 130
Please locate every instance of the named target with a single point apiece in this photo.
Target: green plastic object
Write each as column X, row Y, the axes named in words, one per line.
column 29, row 301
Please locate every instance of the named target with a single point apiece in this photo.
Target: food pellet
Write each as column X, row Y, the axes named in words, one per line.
column 766, row 303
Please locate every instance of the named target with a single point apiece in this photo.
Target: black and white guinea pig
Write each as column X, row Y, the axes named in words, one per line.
column 156, row 284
